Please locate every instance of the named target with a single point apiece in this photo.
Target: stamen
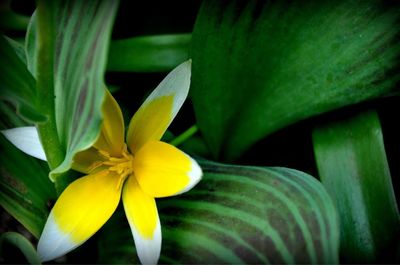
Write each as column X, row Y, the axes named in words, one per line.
column 120, row 165
column 104, row 154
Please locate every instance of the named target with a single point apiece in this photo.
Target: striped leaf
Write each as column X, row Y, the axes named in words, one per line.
column 259, row 66
column 16, row 83
column 353, row 167
column 76, row 34
column 25, row 189
column 239, row 215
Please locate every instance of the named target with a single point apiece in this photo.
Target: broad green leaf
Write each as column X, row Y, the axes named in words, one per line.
column 238, row 215
column 259, row 66
column 20, row 242
column 352, row 165
column 25, row 189
column 76, row 36
column 16, row 83
column 148, row 53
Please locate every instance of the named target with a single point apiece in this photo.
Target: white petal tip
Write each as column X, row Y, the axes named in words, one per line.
column 27, row 140
column 148, row 250
column 196, row 173
column 53, row 243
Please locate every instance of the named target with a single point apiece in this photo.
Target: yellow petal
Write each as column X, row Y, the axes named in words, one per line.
column 111, row 138
column 84, row 206
column 160, row 108
column 163, row 170
column 141, row 212
column 87, row 160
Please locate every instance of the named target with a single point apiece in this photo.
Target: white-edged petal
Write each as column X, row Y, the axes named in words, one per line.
column 157, row 112
column 195, row 175
column 53, row 243
column 80, row 211
column 27, row 140
column 141, row 212
column 148, row 250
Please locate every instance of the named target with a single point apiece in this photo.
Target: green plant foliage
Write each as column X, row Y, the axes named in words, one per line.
column 16, row 83
column 20, row 242
column 352, row 165
column 31, row 46
column 157, row 53
column 77, row 59
column 259, row 66
column 239, row 215
column 18, row 48
column 25, row 189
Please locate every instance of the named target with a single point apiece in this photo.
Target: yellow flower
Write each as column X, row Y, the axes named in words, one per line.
column 142, row 169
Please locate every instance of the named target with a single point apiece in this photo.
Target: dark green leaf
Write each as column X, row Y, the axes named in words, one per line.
column 18, row 49
column 239, row 215
column 76, row 34
column 259, row 66
column 149, row 53
column 20, row 242
column 25, row 189
column 353, row 167
column 16, row 83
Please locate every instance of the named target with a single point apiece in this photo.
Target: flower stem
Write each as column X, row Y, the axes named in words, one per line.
column 184, row 136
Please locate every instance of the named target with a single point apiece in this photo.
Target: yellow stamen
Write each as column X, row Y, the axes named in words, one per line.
column 120, row 165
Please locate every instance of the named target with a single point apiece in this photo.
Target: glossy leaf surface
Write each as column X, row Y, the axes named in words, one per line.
column 259, row 66
column 353, row 167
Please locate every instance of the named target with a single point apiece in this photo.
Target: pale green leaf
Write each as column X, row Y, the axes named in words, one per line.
column 76, row 35
column 352, row 164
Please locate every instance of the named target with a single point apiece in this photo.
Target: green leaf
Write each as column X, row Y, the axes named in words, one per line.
column 238, row 215
column 18, row 48
column 16, row 83
column 25, row 190
column 159, row 53
column 73, row 38
column 259, row 66
column 31, row 47
column 17, row 240
column 352, row 165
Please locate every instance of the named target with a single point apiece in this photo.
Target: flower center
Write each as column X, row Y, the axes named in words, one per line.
column 120, row 165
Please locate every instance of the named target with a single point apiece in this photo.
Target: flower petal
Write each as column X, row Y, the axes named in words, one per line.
column 111, row 138
column 142, row 214
column 27, row 140
column 83, row 207
column 163, row 170
column 160, row 108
